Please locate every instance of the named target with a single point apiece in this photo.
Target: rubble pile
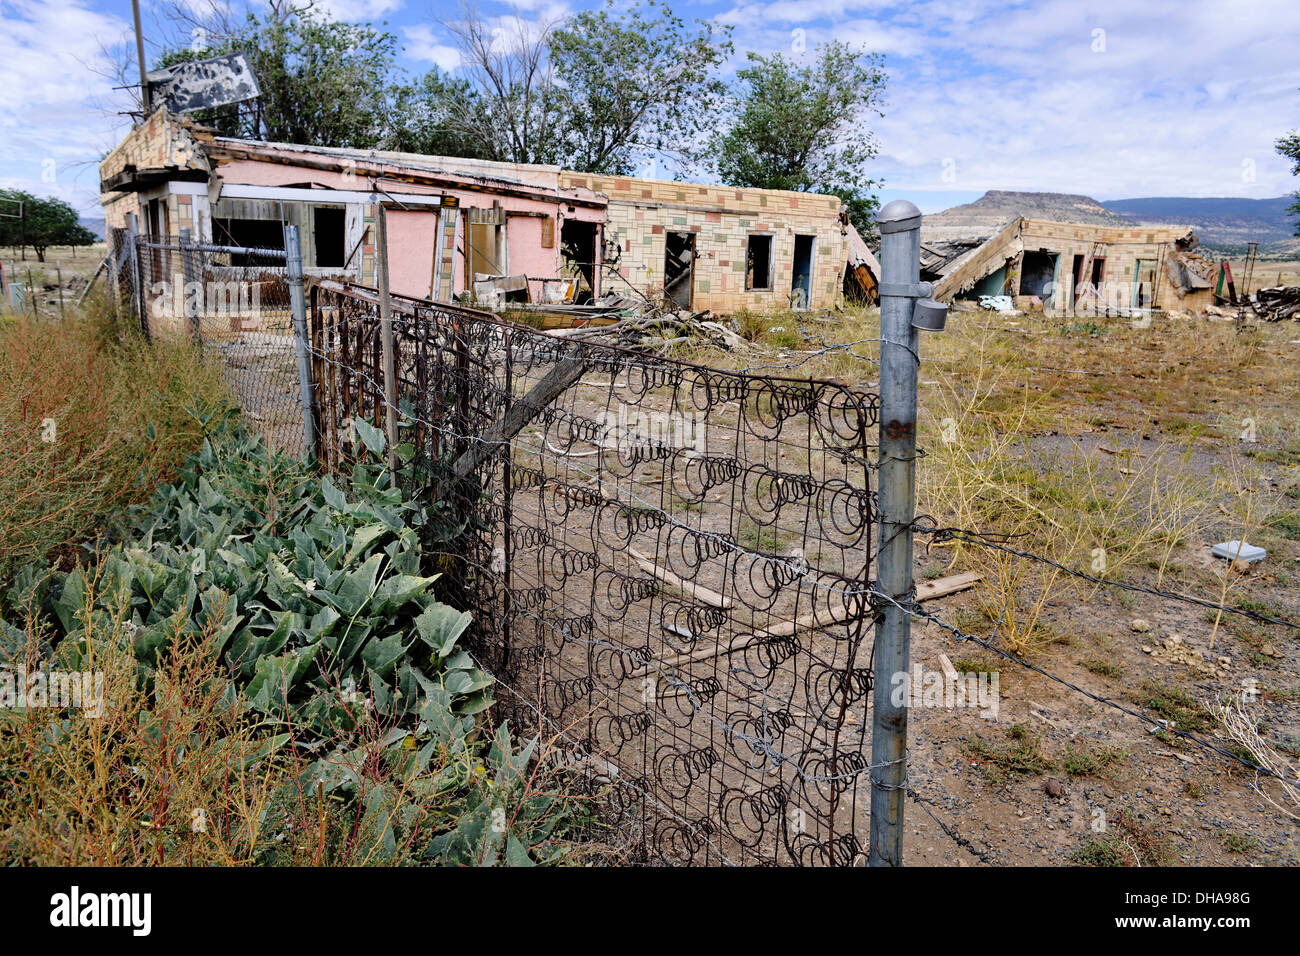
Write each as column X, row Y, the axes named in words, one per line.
column 1277, row 303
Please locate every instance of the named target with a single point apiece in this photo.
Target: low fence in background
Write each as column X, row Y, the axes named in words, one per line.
column 669, row 565
column 234, row 301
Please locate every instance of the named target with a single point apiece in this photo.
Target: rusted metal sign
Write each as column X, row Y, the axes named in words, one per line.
column 202, row 84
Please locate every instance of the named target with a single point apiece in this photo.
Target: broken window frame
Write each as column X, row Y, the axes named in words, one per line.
column 750, row 285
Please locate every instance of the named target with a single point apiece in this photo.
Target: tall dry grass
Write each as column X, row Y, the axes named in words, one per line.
column 91, row 418
column 173, row 766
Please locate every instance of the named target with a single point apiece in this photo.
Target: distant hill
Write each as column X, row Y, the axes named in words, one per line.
column 94, row 225
column 984, row 216
column 1225, row 225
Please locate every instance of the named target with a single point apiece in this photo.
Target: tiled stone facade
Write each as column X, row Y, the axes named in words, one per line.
column 1121, row 248
column 632, row 228
column 643, row 211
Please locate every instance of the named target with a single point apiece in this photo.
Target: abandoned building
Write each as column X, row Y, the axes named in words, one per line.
column 494, row 230
column 1065, row 253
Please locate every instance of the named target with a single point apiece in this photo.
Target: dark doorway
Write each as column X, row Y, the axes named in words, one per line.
column 1098, row 273
column 1037, row 274
column 801, row 286
column 758, row 262
column 328, row 236
column 679, row 256
column 1076, row 278
column 578, row 248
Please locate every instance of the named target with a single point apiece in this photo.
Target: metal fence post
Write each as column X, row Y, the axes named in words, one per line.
column 386, row 333
column 900, row 262
column 298, row 306
column 138, row 303
column 192, row 307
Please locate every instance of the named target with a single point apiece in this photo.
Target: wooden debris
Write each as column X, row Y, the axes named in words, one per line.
column 689, row 588
column 813, row 621
column 949, row 585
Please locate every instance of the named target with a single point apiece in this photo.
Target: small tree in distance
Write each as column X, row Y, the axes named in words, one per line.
column 1289, row 146
column 29, row 220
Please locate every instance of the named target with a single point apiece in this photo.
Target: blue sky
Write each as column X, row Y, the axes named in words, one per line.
column 1111, row 98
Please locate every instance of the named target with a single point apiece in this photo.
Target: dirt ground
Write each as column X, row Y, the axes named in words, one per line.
column 1060, row 778
column 74, row 265
column 1187, row 426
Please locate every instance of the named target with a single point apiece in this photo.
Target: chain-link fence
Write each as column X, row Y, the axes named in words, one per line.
column 231, row 300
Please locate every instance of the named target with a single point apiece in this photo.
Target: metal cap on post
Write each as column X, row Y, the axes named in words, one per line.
column 900, row 287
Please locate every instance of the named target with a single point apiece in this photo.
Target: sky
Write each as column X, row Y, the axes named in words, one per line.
column 1109, row 98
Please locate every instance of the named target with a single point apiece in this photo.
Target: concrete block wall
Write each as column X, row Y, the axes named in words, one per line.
column 643, row 211
column 1121, row 247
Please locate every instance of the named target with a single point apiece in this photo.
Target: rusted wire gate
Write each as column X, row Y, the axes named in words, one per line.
column 669, row 565
column 230, row 299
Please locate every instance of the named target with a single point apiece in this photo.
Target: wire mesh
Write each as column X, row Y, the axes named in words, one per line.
column 669, row 565
column 234, row 302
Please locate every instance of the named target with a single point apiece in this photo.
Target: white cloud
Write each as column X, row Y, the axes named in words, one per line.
column 422, row 44
column 356, row 11
column 50, row 117
column 1179, row 97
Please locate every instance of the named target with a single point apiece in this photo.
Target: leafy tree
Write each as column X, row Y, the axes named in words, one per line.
column 1289, row 146
column 43, row 223
column 803, row 127
column 438, row 116
column 323, row 82
column 637, row 81
column 592, row 92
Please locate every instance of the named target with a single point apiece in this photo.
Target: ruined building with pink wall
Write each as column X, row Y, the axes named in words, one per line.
column 533, row 232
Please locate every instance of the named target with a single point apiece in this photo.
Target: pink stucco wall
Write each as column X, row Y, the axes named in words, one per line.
column 412, row 235
column 411, row 239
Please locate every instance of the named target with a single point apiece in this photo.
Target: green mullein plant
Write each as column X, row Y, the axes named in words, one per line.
column 310, row 597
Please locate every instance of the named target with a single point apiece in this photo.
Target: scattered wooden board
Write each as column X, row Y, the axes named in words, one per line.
column 689, row 588
column 926, row 592
column 949, row 585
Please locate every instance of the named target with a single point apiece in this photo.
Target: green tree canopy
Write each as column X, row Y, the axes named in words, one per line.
column 596, row 92
column 27, row 220
column 323, row 82
column 637, row 81
column 804, row 127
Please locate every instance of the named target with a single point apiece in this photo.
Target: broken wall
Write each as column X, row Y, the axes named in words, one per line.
column 643, row 211
column 1129, row 254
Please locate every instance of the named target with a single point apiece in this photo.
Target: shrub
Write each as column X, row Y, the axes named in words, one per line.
column 275, row 659
column 91, row 416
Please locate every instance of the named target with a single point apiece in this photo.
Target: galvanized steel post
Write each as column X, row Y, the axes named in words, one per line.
column 386, row 333
column 298, row 306
column 900, row 258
